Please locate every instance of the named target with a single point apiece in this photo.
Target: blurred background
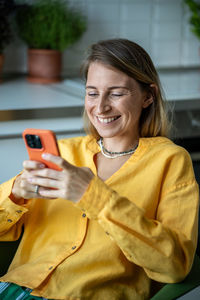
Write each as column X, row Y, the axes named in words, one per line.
column 161, row 27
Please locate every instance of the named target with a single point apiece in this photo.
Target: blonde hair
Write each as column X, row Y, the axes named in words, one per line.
column 133, row 60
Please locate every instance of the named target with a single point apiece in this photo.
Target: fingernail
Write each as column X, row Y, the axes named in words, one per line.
column 30, row 179
column 44, row 155
column 41, row 166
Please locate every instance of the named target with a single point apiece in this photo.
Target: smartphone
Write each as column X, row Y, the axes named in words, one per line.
column 39, row 141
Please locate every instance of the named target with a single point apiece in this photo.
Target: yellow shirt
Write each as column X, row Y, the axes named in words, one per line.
column 138, row 225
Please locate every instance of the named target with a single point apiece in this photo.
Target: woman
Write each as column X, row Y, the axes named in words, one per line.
column 123, row 211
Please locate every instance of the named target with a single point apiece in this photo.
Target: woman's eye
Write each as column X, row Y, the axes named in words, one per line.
column 116, row 95
column 93, row 94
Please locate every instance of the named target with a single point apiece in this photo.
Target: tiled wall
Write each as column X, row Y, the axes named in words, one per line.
column 160, row 26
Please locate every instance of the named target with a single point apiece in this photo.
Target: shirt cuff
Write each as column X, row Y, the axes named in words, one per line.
column 95, row 198
column 7, row 202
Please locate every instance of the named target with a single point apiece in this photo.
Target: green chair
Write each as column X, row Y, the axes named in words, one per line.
column 7, row 252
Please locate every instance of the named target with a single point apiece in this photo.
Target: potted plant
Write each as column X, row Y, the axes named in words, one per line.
column 6, row 7
column 48, row 27
column 194, row 7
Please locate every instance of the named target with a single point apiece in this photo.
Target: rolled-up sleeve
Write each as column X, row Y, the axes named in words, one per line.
column 163, row 246
column 11, row 214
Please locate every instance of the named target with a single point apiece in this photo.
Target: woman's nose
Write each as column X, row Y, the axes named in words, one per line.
column 103, row 105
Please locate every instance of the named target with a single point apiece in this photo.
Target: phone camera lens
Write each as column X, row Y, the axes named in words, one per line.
column 28, row 137
column 38, row 142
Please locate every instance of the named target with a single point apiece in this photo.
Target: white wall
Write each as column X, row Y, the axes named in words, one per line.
column 160, row 26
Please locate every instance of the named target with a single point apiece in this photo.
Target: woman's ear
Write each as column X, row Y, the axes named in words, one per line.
column 150, row 95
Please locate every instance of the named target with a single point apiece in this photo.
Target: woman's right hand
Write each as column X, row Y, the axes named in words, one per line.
column 22, row 188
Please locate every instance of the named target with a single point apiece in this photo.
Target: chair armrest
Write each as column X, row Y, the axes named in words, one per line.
column 7, row 252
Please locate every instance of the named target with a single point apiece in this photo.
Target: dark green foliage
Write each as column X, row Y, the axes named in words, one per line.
column 194, row 7
column 49, row 24
column 5, row 33
column 6, row 7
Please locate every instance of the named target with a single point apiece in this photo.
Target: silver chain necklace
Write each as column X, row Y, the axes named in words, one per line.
column 110, row 154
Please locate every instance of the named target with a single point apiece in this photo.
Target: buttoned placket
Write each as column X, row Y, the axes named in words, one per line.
column 75, row 247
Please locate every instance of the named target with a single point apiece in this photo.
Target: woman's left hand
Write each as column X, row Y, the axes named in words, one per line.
column 70, row 183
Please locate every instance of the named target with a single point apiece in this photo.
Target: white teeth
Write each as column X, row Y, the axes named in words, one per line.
column 108, row 120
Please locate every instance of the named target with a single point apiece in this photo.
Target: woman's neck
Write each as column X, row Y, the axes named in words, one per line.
column 119, row 144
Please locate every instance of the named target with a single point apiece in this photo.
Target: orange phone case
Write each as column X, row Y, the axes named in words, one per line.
column 48, row 144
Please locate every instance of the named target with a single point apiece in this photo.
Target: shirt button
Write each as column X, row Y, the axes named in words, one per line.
column 9, row 220
column 107, row 233
column 50, row 268
column 83, row 215
column 74, row 247
column 19, row 211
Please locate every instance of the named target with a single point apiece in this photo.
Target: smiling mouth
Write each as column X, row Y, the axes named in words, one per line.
column 107, row 120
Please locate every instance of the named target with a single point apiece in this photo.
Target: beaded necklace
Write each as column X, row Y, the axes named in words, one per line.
column 110, row 154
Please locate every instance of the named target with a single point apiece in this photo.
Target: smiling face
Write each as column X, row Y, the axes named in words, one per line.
column 114, row 102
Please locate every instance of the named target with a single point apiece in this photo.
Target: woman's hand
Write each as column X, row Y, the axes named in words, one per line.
column 21, row 187
column 70, row 183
